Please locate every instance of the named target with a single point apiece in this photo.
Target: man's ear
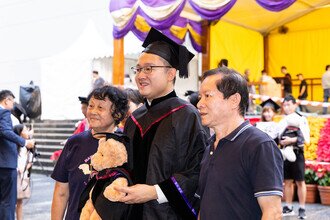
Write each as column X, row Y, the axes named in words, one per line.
column 171, row 74
column 235, row 99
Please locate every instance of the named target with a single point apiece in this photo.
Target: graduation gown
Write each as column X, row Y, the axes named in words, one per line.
column 104, row 207
column 167, row 145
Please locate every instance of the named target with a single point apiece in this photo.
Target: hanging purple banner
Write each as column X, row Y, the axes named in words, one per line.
column 275, row 5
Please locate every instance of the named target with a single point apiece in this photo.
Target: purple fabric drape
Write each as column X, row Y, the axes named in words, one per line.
column 197, row 26
column 170, row 17
column 180, row 22
column 165, row 23
column 275, row 5
column 139, row 34
column 158, row 3
column 117, row 5
column 212, row 14
column 120, row 33
column 183, row 22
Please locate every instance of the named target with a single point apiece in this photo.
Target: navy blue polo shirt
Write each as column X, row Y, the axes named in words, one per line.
column 245, row 165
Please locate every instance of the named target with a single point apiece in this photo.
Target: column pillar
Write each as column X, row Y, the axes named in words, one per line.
column 205, row 46
column 118, row 65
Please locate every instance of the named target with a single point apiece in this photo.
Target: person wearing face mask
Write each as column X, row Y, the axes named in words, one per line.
column 107, row 106
column 167, row 137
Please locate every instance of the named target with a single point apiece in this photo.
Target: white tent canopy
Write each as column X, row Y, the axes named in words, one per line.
column 53, row 43
column 67, row 75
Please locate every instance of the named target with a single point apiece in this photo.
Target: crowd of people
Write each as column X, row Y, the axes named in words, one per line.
column 11, row 176
column 198, row 160
column 282, row 87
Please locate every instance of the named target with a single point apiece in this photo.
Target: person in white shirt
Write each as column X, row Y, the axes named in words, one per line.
column 24, row 163
column 326, row 87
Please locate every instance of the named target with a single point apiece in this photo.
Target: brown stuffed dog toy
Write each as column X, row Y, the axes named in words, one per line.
column 99, row 200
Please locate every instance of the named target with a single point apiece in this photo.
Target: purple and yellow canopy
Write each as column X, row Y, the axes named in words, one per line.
column 139, row 16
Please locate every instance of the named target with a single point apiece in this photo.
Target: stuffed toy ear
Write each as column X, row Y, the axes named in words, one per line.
column 98, row 158
column 116, row 153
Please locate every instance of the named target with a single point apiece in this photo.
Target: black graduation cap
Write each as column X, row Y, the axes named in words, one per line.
column 177, row 55
column 271, row 103
column 83, row 100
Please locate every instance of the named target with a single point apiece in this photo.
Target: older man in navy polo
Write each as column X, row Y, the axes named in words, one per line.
column 242, row 170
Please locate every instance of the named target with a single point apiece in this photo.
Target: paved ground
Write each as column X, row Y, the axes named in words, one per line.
column 38, row 207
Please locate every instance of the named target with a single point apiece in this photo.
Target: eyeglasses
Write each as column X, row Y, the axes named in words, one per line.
column 146, row 69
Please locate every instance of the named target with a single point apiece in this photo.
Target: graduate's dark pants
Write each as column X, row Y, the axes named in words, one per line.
column 8, row 193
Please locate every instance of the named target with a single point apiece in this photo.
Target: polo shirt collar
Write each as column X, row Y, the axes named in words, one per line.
column 238, row 131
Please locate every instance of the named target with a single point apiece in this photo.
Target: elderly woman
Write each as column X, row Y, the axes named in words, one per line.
column 106, row 108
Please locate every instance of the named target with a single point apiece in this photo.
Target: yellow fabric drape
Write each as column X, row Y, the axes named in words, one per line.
column 305, row 52
column 242, row 47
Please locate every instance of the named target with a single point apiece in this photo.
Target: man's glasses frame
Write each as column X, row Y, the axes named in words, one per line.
column 146, row 69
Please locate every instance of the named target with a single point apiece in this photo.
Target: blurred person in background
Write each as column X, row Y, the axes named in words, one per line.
column 287, row 82
column 81, row 126
column 326, row 87
column 192, row 97
column 24, row 165
column 251, row 89
column 303, row 92
column 97, row 81
column 8, row 156
column 223, row 63
column 294, row 171
column 267, row 125
column 135, row 100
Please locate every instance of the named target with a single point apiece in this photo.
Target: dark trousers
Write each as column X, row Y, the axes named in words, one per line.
column 326, row 96
column 8, row 193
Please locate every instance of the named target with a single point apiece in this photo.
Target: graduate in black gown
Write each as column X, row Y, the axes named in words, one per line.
column 167, row 137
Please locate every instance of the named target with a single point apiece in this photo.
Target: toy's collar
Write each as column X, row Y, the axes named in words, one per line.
column 106, row 173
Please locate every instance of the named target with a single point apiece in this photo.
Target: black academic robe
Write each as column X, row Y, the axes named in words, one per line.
column 167, row 145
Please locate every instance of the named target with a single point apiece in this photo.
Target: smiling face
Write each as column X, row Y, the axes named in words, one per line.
column 267, row 114
column 159, row 82
column 99, row 115
column 289, row 107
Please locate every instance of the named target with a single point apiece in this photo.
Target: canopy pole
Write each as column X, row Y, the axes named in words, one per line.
column 266, row 52
column 118, row 62
column 205, row 46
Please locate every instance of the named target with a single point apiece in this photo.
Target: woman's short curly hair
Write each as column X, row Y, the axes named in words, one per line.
column 118, row 99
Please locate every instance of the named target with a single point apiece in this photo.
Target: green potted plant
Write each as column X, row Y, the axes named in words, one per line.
column 311, row 182
column 310, row 177
column 323, row 174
